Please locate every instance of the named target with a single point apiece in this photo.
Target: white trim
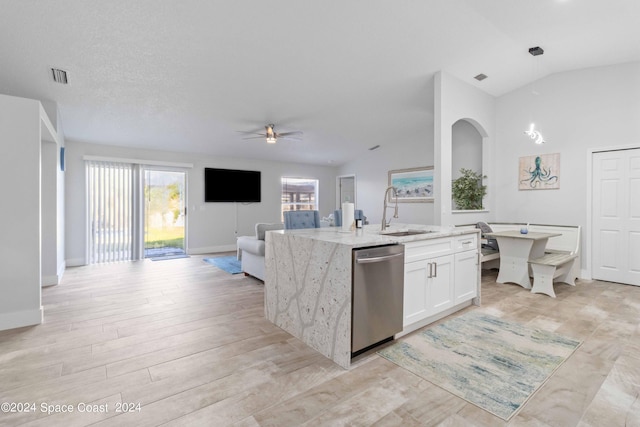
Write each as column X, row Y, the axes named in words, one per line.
column 588, row 272
column 50, row 280
column 61, row 268
column 470, row 211
column 76, row 262
column 18, row 319
column 139, row 161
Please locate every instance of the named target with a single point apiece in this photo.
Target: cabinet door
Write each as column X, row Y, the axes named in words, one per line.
column 466, row 280
column 440, row 285
column 416, row 275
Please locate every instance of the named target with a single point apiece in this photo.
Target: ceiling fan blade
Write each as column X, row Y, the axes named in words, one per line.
column 254, row 137
column 251, row 133
column 295, row 132
column 289, row 138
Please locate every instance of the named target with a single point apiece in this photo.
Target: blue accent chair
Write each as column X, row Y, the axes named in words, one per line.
column 301, row 219
column 337, row 216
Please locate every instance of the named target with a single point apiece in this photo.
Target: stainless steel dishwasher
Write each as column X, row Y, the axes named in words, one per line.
column 377, row 297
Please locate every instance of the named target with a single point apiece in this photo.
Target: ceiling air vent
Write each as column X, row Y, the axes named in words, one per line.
column 59, row 76
column 480, row 77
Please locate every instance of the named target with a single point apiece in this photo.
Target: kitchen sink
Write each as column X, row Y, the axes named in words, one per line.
column 405, row 233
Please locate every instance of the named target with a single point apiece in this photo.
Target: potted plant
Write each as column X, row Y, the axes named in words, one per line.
column 467, row 191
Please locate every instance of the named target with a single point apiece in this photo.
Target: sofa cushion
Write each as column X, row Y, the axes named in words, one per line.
column 251, row 244
column 262, row 228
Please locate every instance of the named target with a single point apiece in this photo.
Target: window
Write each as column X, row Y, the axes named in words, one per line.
column 299, row 194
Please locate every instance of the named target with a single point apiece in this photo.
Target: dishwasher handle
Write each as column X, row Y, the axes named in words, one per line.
column 377, row 258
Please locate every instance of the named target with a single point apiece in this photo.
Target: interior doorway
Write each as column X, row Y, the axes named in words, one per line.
column 164, row 213
column 346, row 189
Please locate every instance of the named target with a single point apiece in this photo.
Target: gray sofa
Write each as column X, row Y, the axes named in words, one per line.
column 251, row 250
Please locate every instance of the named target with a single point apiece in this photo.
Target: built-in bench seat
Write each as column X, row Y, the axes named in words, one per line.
column 561, row 260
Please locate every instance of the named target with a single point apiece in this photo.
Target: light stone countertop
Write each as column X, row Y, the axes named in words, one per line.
column 371, row 235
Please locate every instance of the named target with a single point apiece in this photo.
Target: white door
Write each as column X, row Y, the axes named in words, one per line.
column 616, row 216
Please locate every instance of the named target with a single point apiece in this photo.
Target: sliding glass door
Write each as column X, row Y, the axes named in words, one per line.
column 164, row 213
column 134, row 212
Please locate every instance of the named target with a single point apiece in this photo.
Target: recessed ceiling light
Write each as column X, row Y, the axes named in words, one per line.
column 480, row 77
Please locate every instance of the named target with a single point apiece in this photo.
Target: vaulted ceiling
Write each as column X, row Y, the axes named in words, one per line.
column 188, row 75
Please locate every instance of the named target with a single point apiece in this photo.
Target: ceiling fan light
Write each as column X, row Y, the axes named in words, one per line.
column 271, row 140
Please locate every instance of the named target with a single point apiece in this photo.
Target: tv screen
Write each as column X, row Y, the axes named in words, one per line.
column 231, row 185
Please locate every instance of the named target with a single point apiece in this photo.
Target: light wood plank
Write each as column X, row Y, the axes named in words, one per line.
column 190, row 343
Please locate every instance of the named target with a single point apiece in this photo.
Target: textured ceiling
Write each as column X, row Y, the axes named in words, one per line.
column 187, row 75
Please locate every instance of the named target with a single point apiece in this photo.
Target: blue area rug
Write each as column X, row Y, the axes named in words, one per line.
column 490, row 362
column 167, row 252
column 230, row 264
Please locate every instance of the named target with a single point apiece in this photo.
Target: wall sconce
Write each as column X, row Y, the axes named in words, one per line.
column 534, row 134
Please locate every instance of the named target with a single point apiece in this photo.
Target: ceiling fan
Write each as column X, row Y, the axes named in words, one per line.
column 272, row 136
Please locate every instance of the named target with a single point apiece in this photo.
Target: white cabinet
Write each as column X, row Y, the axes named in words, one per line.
column 438, row 275
column 466, row 277
column 441, row 284
column 416, row 276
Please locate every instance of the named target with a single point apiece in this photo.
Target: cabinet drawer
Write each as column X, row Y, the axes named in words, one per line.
column 466, row 242
column 423, row 249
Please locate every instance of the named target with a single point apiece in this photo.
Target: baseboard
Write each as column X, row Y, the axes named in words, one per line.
column 75, row 262
column 18, row 319
column 211, row 249
column 50, row 280
column 584, row 274
column 54, row 280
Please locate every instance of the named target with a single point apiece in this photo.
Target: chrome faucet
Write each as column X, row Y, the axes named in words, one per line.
column 384, row 210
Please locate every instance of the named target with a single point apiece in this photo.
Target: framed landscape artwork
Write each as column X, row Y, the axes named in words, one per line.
column 412, row 185
column 540, row 172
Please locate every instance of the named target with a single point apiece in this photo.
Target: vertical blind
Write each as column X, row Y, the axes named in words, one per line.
column 110, row 205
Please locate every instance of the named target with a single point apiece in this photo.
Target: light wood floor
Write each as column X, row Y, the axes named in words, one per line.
column 190, row 344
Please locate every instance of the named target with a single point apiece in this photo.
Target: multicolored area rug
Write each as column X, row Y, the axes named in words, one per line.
column 230, row 264
column 493, row 363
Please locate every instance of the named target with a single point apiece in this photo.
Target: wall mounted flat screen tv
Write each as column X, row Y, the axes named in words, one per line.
column 231, row 185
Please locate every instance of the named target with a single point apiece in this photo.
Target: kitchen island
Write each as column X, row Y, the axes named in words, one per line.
column 308, row 279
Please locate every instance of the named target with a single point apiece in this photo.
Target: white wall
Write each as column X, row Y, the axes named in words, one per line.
column 575, row 111
column 372, row 167
column 372, row 178
column 455, row 100
column 211, row 226
column 20, row 212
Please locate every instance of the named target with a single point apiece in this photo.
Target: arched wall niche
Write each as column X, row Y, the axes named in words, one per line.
column 466, row 146
column 468, row 139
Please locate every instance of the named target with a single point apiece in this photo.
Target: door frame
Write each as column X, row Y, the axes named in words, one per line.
column 588, row 273
column 138, row 198
column 142, row 202
column 355, row 189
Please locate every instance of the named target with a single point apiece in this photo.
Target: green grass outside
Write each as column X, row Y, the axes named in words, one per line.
column 164, row 237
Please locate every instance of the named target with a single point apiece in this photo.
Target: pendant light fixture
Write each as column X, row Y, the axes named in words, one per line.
column 532, row 132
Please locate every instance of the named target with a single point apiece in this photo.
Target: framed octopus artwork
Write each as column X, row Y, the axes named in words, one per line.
column 539, row 172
